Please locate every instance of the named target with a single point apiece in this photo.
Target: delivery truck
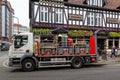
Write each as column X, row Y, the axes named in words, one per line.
column 50, row 50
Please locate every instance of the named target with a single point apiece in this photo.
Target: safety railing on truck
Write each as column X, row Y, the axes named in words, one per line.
column 63, row 48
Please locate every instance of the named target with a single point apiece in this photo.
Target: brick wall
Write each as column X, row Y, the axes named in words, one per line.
column 10, row 20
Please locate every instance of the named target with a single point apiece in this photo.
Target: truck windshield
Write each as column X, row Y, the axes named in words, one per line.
column 20, row 41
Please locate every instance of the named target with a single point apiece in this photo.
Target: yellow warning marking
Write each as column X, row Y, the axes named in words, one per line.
column 5, row 63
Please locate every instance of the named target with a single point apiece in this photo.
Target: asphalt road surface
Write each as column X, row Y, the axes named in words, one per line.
column 3, row 57
column 2, row 53
column 89, row 72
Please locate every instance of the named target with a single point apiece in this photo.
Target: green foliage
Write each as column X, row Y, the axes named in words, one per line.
column 114, row 34
column 80, row 33
column 73, row 33
column 40, row 31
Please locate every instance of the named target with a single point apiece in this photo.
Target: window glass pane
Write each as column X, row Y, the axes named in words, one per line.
column 44, row 14
column 94, row 19
column 42, row 17
column 88, row 20
column 46, row 17
column 58, row 16
column 20, row 41
column 95, row 2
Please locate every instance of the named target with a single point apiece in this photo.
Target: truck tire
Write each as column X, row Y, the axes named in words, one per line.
column 77, row 63
column 28, row 65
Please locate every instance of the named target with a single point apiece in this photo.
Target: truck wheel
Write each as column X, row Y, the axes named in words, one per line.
column 28, row 65
column 77, row 62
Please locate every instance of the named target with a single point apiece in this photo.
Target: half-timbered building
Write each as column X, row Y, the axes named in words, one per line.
column 90, row 15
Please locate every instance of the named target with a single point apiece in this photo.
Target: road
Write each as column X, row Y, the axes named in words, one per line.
column 2, row 53
column 96, row 72
column 3, row 57
column 89, row 72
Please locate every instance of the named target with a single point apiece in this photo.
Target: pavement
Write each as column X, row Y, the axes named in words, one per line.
column 115, row 60
column 3, row 58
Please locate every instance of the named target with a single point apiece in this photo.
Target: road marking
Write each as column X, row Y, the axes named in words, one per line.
column 5, row 63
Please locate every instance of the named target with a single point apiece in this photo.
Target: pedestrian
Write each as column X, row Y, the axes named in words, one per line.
column 113, row 52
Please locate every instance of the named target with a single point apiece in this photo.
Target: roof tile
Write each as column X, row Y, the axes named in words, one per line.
column 111, row 4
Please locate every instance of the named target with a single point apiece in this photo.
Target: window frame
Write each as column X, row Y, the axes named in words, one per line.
column 43, row 14
column 94, row 18
column 95, row 2
column 58, row 15
column 20, row 40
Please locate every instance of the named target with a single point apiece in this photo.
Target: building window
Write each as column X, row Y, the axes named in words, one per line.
column 94, row 19
column 90, row 19
column 44, row 14
column 98, row 19
column 51, row 15
column 95, row 2
column 58, row 15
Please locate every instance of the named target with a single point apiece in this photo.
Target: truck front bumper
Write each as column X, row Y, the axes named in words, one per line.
column 14, row 62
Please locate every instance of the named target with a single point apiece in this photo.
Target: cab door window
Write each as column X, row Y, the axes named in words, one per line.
column 20, row 41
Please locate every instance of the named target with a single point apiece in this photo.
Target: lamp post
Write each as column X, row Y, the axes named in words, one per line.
column 17, row 22
column 95, row 34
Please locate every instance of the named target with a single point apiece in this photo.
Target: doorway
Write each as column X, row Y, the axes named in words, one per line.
column 100, row 45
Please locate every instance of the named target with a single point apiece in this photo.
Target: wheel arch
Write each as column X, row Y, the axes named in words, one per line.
column 77, row 62
column 30, row 57
column 78, row 57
